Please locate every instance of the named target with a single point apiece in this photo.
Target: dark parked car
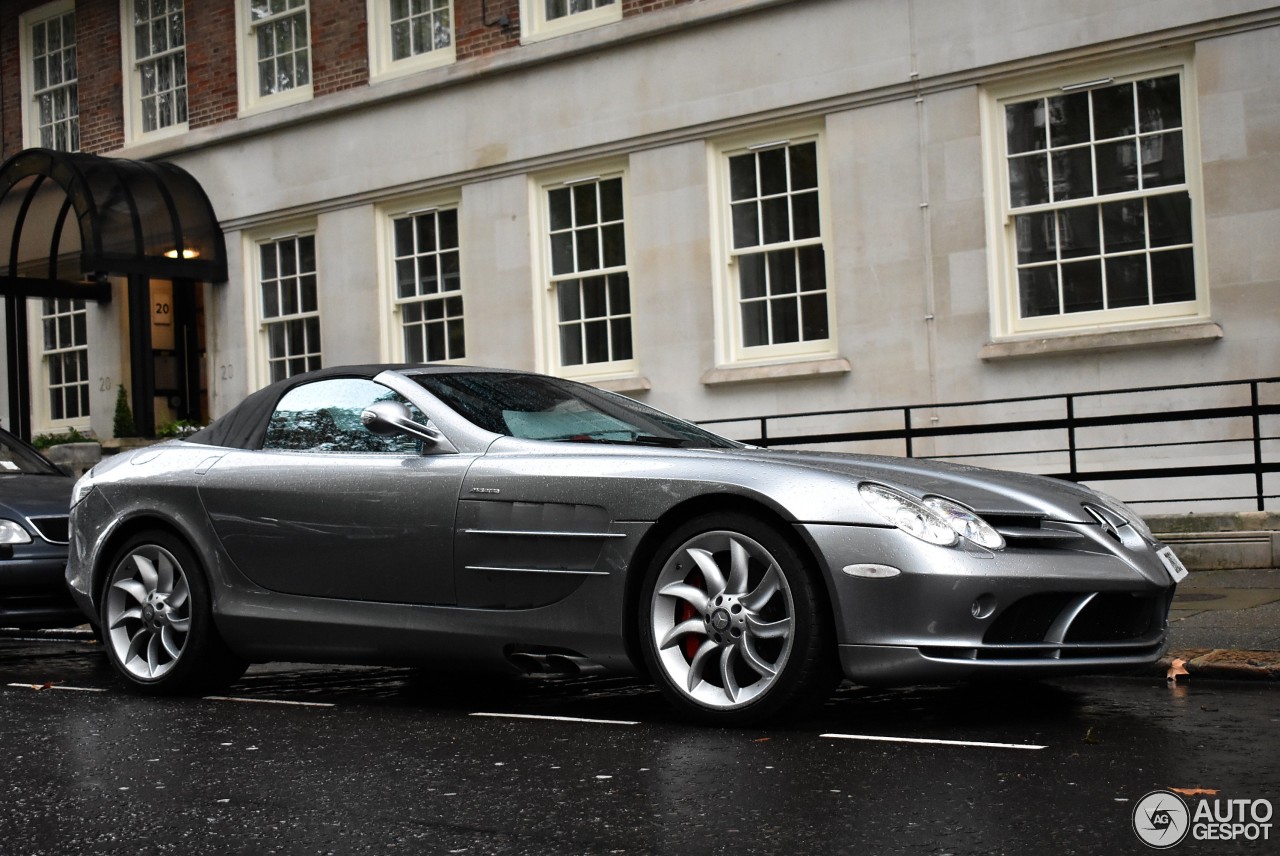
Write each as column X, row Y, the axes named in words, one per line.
column 483, row 519
column 35, row 499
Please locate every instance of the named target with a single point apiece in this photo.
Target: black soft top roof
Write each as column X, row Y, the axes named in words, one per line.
column 245, row 425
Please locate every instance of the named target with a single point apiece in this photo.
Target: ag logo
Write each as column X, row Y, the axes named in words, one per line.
column 1161, row 819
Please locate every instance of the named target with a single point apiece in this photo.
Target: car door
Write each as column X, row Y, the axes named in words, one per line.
column 328, row 509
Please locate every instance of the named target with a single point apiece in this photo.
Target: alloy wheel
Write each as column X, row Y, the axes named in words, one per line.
column 148, row 612
column 722, row 619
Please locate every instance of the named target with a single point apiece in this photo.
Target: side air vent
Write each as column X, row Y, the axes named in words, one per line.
column 1034, row 532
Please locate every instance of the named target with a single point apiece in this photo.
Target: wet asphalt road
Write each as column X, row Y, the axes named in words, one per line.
column 386, row 761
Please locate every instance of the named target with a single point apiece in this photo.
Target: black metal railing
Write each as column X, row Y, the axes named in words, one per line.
column 1182, row 432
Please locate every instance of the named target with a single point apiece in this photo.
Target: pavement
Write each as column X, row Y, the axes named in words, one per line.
column 1226, row 624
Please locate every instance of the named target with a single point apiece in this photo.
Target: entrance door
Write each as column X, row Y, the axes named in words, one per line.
column 178, row 352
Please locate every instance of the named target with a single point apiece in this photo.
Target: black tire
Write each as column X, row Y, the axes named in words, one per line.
column 155, row 612
column 728, row 640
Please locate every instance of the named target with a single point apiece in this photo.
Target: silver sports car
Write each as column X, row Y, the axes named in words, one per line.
column 461, row 518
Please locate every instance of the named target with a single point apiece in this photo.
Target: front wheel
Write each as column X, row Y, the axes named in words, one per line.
column 734, row 627
column 157, row 622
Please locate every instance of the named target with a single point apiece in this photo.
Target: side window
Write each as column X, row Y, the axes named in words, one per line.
column 410, row 35
column 1098, row 205
column 428, row 288
column 775, row 302
column 289, row 307
column 586, row 235
column 155, row 41
column 274, row 53
column 50, row 79
column 324, row 416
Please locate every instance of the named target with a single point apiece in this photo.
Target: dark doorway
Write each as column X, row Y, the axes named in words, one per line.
column 178, row 351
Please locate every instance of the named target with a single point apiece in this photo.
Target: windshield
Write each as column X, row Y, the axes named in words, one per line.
column 534, row 407
column 18, row 458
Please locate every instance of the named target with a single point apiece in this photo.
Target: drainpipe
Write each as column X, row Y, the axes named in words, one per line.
column 926, row 218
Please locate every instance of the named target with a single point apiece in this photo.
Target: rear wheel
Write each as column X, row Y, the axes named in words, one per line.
column 157, row 621
column 734, row 626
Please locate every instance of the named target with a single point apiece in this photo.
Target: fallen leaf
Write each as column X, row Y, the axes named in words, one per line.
column 1191, row 792
column 1089, row 737
column 762, row 740
column 1176, row 668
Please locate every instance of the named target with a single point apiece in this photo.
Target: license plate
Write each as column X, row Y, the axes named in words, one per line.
column 1173, row 564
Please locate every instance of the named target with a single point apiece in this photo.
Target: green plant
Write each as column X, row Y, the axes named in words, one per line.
column 71, row 435
column 123, row 425
column 177, row 428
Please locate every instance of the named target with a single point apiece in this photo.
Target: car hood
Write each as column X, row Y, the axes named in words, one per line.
column 986, row 491
column 35, row 496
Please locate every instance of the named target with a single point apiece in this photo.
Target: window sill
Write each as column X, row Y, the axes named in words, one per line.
column 382, row 70
column 137, row 138
column 1202, row 332
column 540, row 29
column 634, row 383
column 255, row 105
column 777, row 371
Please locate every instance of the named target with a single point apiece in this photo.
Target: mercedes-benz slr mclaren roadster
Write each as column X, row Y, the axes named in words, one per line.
column 472, row 519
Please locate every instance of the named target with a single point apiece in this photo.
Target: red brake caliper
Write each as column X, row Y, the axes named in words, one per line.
column 684, row 612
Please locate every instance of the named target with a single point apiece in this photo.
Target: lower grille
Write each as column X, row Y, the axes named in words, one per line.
column 55, row 529
column 1028, row 619
column 1116, row 617
column 1081, row 618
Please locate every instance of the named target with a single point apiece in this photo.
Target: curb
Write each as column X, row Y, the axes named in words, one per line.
column 1225, row 663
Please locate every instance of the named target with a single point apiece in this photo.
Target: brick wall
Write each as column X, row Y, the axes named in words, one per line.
column 100, row 75
column 10, row 76
column 474, row 38
column 639, row 7
column 340, row 49
column 211, row 63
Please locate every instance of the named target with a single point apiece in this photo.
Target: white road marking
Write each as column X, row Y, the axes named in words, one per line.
column 269, row 701
column 978, row 743
column 557, row 718
column 58, row 687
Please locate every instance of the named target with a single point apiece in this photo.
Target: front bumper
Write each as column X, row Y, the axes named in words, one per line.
column 1060, row 606
column 888, row 665
column 33, row 590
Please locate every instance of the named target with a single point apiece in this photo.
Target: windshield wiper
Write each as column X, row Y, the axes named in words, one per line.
column 652, row 440
column 638, row 440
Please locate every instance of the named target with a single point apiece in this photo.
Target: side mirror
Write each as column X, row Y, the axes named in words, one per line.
column 389, row 418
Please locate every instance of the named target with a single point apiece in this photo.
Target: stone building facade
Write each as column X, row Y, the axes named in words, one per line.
column 722, row 207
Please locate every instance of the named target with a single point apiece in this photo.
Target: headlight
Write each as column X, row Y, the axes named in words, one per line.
column 933, row 519
column 965, row 523
column 908, row 514
column 13, row 533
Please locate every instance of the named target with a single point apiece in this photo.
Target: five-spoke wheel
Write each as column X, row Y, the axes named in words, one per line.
column 731, row 622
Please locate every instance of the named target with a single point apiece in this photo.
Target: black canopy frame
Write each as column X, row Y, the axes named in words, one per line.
column 139, row 219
